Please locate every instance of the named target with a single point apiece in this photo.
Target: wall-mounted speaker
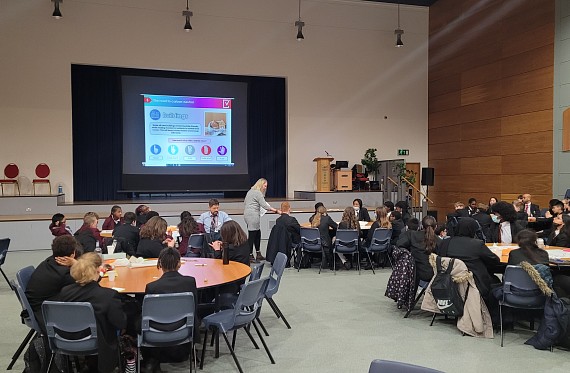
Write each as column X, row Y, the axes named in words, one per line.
column 427, row 176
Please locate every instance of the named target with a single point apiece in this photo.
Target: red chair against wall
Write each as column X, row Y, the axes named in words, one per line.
column 11, row 172
column 42, row 171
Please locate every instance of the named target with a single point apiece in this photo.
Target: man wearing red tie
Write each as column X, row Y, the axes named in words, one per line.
column 531, row 209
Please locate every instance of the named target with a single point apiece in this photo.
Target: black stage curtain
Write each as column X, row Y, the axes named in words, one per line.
column 97, row 131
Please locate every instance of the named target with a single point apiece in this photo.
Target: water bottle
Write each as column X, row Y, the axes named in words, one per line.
column 225, row 253
column 98, row 250
column 59, row 189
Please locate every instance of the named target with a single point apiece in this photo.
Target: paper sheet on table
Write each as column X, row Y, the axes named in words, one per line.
column 146, row 263
column 363, row 224
column 558, row 254
column 262, row 211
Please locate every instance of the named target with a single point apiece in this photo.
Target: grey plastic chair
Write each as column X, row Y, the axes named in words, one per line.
column 242, row 316
column 71, row 318
column 4, row 244
column 167, row 320
column 519, row 291
column 387, row 366
column 196, row 241
column 380, row 244
column 311, row 242
column 274, row 280
column 28, row 317
column 346, row 242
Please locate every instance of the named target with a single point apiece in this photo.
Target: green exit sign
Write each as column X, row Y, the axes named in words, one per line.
column 403, row 151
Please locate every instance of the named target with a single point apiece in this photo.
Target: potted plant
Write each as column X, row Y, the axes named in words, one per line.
column 372, row 164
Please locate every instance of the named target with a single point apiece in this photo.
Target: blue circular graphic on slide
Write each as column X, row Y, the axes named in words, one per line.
column 190, row 150
column 154, row 114
column 222, row 150
column 173, row 149
column 155, row 149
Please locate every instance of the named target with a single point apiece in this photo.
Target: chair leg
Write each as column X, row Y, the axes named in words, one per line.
column 358, row 261
column 300, row 261
column 415, row 302
column 334, row 262
column 501, row 321
column 263, row 342
column 370, row 262
column 322, row 260
column 203, row 350
column 278, row 311
column 251, row 337
column 23, row 345
column 234, row 339
column 50, row 362
column 213, row 337
column 232, row 352
column 433, row 319
column 262, row 326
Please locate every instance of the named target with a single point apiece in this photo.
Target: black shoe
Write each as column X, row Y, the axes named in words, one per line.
column 347, row 265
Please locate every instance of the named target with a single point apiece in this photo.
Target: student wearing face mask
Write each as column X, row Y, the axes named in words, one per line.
column 360, row 212
column 560, row 235
column 505, row 227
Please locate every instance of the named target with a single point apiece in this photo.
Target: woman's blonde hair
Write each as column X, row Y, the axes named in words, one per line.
column 382, row 218
column 259, row 184
column 154, row 228
column 85, row 268
column 317, row 219
column 349, row 217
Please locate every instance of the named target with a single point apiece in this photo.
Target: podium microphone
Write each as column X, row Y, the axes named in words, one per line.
column 328, row 155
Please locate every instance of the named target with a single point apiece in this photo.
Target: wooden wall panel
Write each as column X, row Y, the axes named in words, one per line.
column 490, row 123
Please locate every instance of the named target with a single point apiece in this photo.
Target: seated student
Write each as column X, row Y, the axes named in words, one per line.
column 402, row 208
column 317, row 205
column 528, row 250
column 421, row 244
column 560, row 234
column 326, row 227
column 348, row 221
column 187, row 227
column 413, row 224
column 127, row 235
column 397, row 226
column 171, row 281
column 113, row 220
column 505, row 227
column 290, row 222
column 389, row 206
column 236, row 240
column 492, row 201
column 382, row 221
column 484, row 220
column 153, row 238
column 530, row 208
column 522, row 217
column 58, row 226
column 566, row 202
column 441, row 231
column 141, row 212
column 212, row 220
column 89, row 235
column 106, row 306
column 472, row 208
column 285, row 235
column 361, row 212
column 51, row 275
column 472, row 251
column 547, row 223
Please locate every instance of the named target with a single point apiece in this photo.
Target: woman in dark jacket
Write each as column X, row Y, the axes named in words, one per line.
column 472, row 251
column 153, row 238
column 324, row 223
column 235, row 239
column 528, row 250
column 560, row 236
column 106, row 306
column 421, row 244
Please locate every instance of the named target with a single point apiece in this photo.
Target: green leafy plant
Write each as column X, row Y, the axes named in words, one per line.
column 403, row 172
column 371, row 162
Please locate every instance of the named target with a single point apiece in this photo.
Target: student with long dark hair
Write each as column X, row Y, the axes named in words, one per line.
column 187, row 227
column 325, row 225
column 421, row 244
column 560, row 235
column 528, row 250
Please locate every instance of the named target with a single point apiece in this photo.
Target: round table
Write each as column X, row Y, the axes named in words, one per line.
column 207, row 272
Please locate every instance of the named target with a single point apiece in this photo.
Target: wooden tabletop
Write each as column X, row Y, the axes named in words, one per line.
column 363, row 224
column 207, row 272
column 505, row 248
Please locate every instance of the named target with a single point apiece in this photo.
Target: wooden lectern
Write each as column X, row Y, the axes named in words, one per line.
column 323, row 173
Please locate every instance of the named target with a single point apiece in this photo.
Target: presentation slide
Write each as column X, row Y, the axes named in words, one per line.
column 187, row 131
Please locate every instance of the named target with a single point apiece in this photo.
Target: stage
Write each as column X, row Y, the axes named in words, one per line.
column 25, row 219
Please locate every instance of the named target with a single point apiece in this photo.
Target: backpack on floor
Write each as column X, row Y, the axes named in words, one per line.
column 445, row 291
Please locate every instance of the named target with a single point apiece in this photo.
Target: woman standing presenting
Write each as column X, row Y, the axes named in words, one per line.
column 254, row 203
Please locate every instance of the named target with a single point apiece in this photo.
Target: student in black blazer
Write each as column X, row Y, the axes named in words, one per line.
column 504, row 222
column 171, row 281
column 288, row 221
column 472, row 251
column 421, row 244
column 127, row 235
column 360, row 212
column 324, row 223
column 528, row 250
column 530, row 208
column 106, row 305
column 153, row 238
column 560, row 234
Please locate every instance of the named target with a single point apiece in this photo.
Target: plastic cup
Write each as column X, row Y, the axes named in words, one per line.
column 112, row 275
